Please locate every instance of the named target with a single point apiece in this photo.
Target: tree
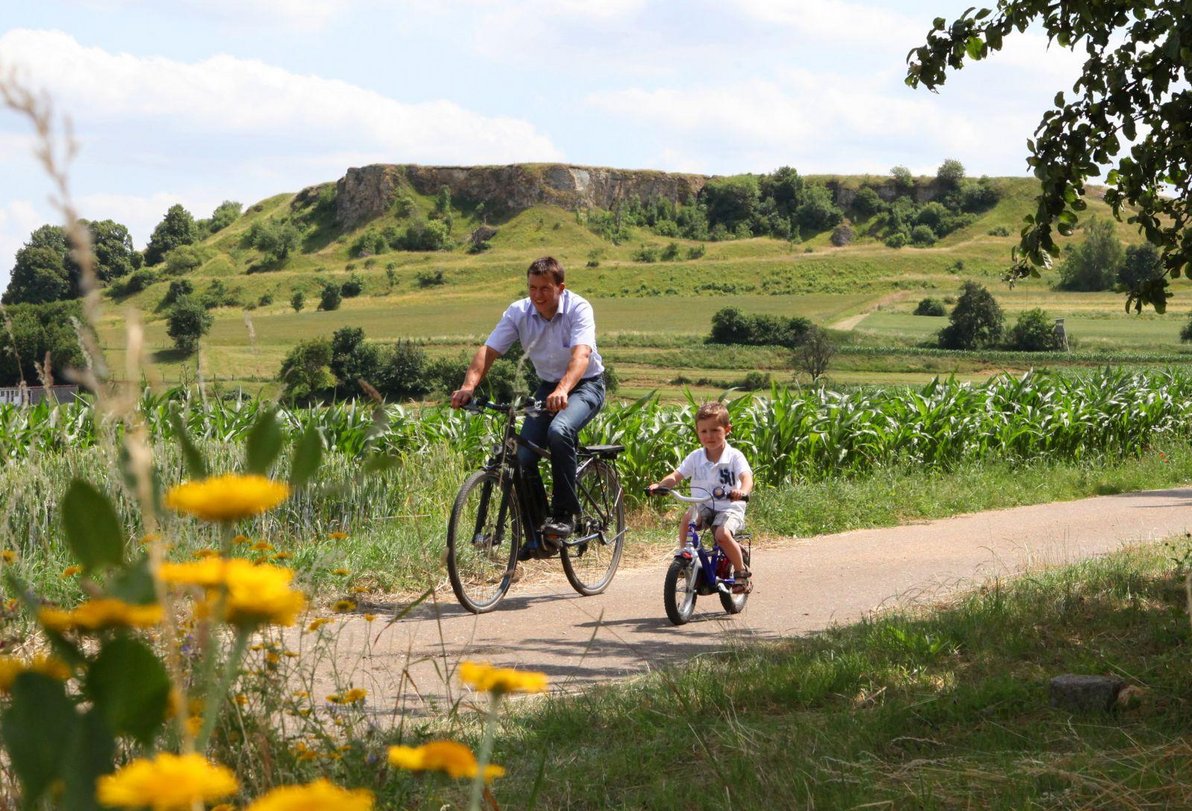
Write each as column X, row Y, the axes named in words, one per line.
column 730, row 201
column 950, row 174
column 1094, row 263
column 1133, row 91
column 186, row 323
column 298, row 301
column 1141, row 265
column 1035, row 332
column 224, row 215
column 330, row 298
column 976, row 321
column 305, row 373
column 178, row 227
column 904, row 181
column 817, row 211
column 34, row 333
column 111, row 247
column 814, row 353
column 276, row 240
column 352, row 360
column 43, row 270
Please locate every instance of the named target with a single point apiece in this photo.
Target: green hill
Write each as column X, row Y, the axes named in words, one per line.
column 655, row 291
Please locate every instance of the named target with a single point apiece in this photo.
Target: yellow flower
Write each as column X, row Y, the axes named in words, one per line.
column 105, row 612
column 71, row 571
column 337, row 536
column 227, row 498
column 166, row 783
column 262, row 546
column 341, row 572
column 369, row 617
column 8, row 556
column 240, row 699
column 354, row 696
column 258, row 593
column 11, row 667
column 501, row 679
column 453, row 758
column 241, row 539
column 209, row 572
column 282, row 556
column 344, row 605
column 200, row 554
column 318, row 623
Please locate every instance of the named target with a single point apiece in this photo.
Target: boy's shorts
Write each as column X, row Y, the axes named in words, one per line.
column 705, row 517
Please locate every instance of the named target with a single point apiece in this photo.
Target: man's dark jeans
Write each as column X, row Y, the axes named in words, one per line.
column 559, row 432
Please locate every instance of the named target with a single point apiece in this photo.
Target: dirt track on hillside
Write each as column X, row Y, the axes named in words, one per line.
column 802, row 586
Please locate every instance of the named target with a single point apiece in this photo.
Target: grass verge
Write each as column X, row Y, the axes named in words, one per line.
column 940, row 709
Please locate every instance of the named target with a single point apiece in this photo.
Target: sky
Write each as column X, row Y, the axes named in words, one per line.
column 201, row 101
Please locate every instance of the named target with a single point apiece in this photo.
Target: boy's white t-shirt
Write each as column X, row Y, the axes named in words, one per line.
column 706, row 476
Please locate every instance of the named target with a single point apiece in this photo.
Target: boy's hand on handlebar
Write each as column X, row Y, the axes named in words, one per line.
column 656, row 490
column 738, row 495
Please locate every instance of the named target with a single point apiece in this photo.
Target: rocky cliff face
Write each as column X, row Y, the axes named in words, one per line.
column 368, row 192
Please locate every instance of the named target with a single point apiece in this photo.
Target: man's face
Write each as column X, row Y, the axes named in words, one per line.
column 544, row 294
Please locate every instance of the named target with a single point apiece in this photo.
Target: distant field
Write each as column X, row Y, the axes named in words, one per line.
column 652, row 316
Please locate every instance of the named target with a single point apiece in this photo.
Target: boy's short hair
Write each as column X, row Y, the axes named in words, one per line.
column 712, row 411
column 546, row 266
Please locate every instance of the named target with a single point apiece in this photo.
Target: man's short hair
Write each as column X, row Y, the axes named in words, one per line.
column 712, row 411
column 546, row 266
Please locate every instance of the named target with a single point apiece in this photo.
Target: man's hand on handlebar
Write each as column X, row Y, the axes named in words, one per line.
column 556, row 400
column 460, row 398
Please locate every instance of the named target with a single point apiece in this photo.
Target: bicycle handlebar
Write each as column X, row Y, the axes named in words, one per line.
column 718, row 492
column 531, row 408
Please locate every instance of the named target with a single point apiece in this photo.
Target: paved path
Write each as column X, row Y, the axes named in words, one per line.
column 802, row 586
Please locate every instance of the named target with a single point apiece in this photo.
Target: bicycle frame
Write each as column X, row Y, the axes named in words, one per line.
column 706, row 562
column 530, row 504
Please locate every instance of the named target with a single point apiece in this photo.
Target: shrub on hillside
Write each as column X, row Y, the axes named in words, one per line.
column 976, row 321
column 1034, row 332
column 842, row 235
column 330, row 298
column 352, row 287
column 731, row 326
column 931, row 306
column 187, row 322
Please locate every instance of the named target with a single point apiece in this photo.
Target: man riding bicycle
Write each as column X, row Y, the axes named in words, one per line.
column 557, row 330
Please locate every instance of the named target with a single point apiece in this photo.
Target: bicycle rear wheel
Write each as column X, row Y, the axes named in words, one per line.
column 678, row 591
column 590, row 566
column 482, row 541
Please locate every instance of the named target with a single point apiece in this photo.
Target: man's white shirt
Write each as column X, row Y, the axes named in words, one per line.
column 549, row 343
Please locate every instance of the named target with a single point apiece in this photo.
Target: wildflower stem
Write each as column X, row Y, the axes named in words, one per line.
column 213, row 700
column 486, row 751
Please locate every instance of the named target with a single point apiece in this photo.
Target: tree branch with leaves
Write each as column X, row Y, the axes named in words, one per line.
column 1130, row 113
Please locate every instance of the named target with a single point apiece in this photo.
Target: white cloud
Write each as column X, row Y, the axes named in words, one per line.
column 300, row 14
column 228, row 95
column 18, row 219
column 837, row 21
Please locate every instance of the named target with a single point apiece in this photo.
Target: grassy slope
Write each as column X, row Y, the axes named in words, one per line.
column 810, row 279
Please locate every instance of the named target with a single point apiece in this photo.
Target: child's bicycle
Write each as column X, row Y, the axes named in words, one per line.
column 698, row 570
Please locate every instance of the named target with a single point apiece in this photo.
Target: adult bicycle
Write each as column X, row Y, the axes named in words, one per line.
column 700, row 570
column 496, row 512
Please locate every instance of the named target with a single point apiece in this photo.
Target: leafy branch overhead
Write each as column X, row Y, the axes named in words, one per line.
column 1131, row 114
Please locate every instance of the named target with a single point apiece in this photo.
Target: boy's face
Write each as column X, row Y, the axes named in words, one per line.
column 712, row 434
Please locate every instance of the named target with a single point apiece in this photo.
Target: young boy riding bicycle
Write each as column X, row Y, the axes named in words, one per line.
column 721, row 471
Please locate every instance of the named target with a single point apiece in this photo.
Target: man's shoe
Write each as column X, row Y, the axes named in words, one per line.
column 528, row 551
column 558, row 528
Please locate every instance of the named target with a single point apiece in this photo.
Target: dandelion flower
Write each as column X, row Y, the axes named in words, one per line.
column 227, row 498
column 71, row 571
column 96, row 615
column 318, row 623
column 354, row 696
column 208, row 572
column 341, row 572
column 369, row 617
column 262, row 546
column 11, row 667
column 8, row 556
column 258, row 593
column 501, row 679
column 166, row 783
column 342, row 606
column 337, row 536
column 200, row 554
column 451, row 757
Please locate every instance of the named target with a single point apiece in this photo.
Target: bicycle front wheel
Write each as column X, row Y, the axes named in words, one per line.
column 482, row 540
column 590, row 565
column 678, row 591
